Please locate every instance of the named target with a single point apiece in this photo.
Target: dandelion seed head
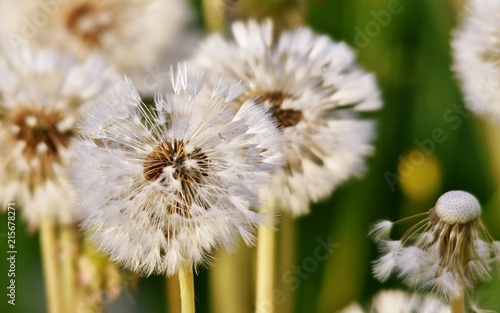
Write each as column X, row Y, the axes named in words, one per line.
column 118, row 30
column 447, row 252
column 163, row 185
column 457, row 207
column 314, row 91
column 45, row 94
column 476, row 52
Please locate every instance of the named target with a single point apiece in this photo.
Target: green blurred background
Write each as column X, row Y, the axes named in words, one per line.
column 406, row 44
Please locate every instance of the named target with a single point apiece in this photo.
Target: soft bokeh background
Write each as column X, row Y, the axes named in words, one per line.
column 406, row 44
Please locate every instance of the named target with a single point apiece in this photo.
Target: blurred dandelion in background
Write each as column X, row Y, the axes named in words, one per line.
column 399, row 301
column 43, row 93
column 136, row 36
column 476, row 50
column 315, row 92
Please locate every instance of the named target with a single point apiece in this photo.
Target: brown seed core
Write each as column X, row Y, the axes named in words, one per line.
column 75, row 18
column 173, row 154
column 43, row 130
column 284, row 117
column 490, row 57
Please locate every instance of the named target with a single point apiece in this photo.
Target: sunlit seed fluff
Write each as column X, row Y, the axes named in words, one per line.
column 314, row 91
column 41, row 95
column 136, row 36
column 476, row 51
column 162, row 185
column 447, row 252
column 381, row 230
column 398, row 301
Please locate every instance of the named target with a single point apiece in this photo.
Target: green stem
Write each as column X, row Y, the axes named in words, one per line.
column 214, row 14
column 265, row 267
column 492, row 134
column 68, row 246
column 228, row 294
column 186, row 283
column 287, row 244
column 172, row 289
column 50, row 269
column 458, row 305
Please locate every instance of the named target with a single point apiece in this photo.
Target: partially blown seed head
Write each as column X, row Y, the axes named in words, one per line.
column 457, row 207
column 448, row 252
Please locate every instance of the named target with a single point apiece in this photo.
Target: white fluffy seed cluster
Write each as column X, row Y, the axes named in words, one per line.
column 119, row 30
column 315, row 91
column 42, row 94
column 448, row 253
column 399, row 301
column 476, row 51
column 161, row 186
column 457, row 207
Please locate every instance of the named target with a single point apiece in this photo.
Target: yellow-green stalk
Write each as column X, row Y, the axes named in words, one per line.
column 48, row 245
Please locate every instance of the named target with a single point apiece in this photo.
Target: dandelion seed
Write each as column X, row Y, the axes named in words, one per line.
column 314, row 91
column 384, row 266
column 161, row 186
column 381, row 230
column 448, row 252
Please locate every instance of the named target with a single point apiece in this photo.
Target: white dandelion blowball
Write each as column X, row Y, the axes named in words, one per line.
column 136, row 36
column 476, row 52
column 457, row 207
column 448, row 252
column 161, row 186
column 42, row 94
column 315, row 91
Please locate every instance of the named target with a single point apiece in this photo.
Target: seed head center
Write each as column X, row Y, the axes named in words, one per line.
column 88, row 22
column 457, row 207
column 284, row 117
column 188, row 167
column 38, row 128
